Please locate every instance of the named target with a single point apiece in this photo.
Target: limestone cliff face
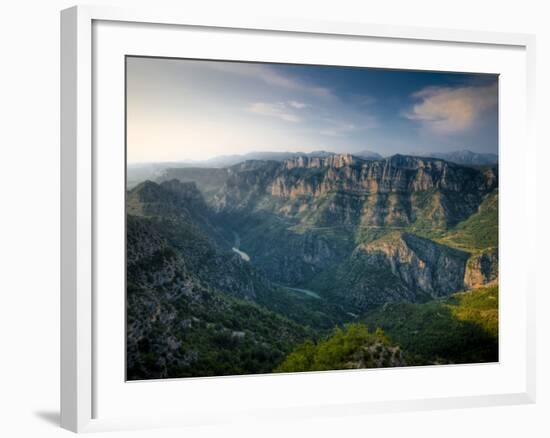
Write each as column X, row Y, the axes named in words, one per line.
column 336, row 161
column 482, row 269
column 394, row 268
column 420, row 263
column 324, row 191
column 395, row 174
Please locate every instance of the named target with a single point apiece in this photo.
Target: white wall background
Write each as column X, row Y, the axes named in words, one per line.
column 29, row 215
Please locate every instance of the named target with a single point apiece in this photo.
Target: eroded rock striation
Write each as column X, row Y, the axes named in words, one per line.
column 420, row 263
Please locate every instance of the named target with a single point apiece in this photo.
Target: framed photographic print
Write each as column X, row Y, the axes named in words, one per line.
column 287, row 219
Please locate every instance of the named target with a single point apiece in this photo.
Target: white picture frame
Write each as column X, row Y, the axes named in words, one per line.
column 81, row 366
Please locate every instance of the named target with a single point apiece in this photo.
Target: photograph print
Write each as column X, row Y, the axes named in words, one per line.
column 292, row 218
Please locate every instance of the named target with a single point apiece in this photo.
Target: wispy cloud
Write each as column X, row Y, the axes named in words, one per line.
column 279, row 110
column 272, row 77
column 298, row 105
column 448, row 110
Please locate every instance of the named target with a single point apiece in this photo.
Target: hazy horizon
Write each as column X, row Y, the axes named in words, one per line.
column 188, row 110
column 199, row 161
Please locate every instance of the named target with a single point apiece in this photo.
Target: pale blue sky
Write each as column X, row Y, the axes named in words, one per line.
column 193, row 110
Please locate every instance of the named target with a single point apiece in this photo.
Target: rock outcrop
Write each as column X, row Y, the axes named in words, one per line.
column 420, row 263
column 377, row 355
column 336, row 161
column 481, row 269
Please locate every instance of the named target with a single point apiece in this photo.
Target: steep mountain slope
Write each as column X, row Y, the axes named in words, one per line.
column 177, row 212
column 396, row 267
column 179, row 326
column 479, row 231
column 477, row 235
column 208, row 180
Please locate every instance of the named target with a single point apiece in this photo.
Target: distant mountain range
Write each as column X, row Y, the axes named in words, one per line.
column 230, row 160
column 465, row 157
column 152, row 171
